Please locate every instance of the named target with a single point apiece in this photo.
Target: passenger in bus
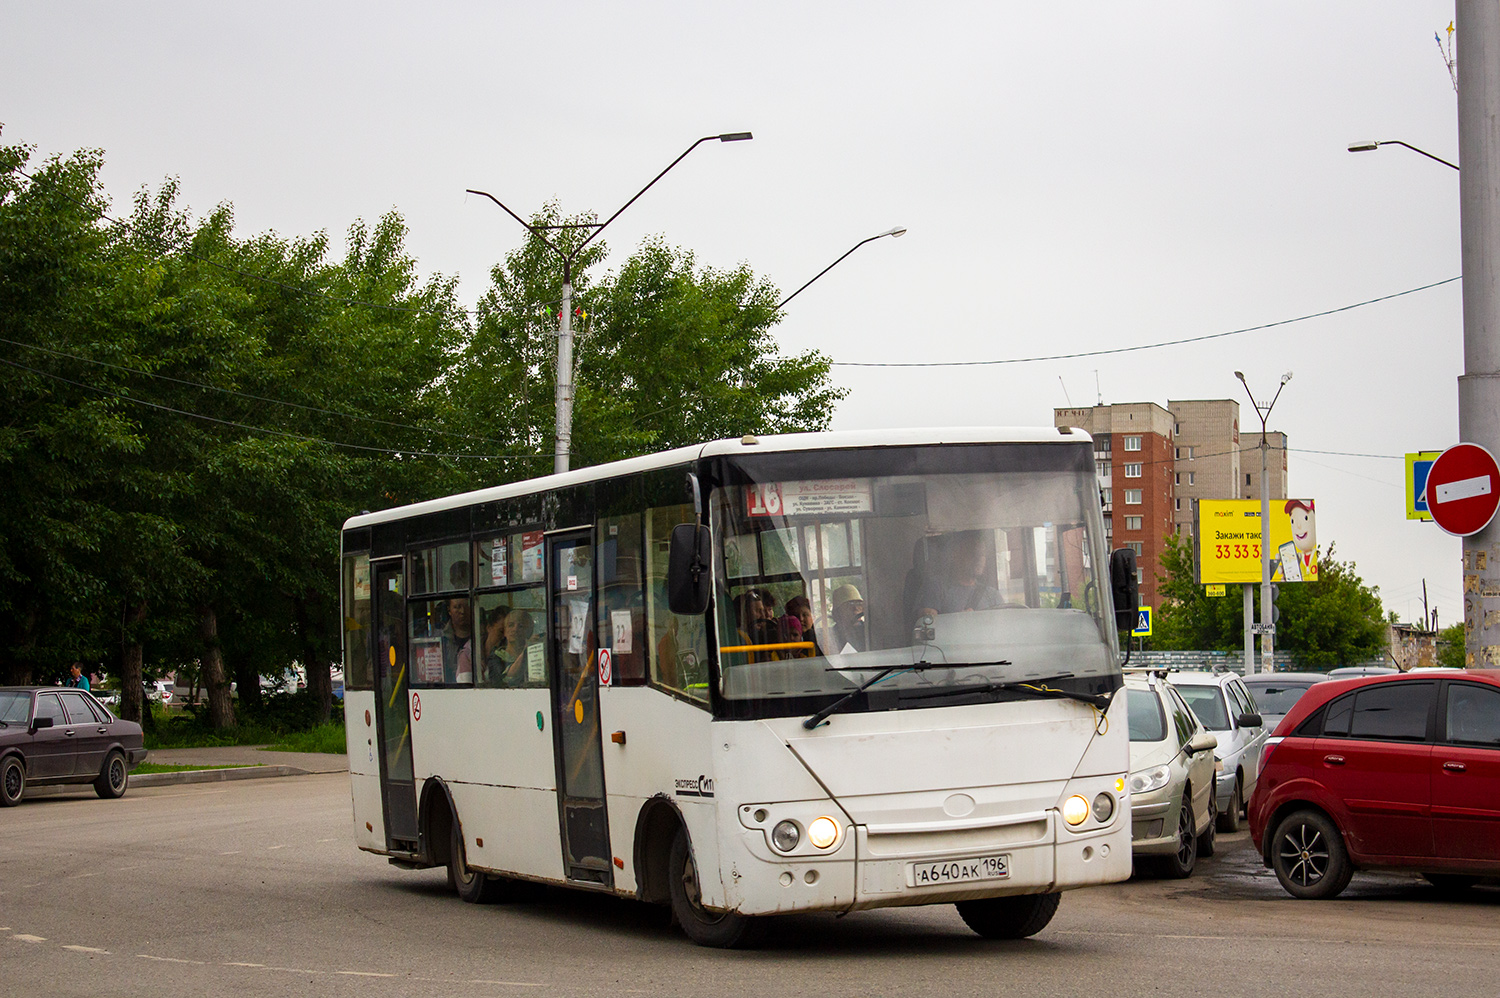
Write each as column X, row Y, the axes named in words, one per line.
column 458, row 643
column 799, row 609
column 756, row 625
column 506, row 664
column 963, row 584
column 848, row 619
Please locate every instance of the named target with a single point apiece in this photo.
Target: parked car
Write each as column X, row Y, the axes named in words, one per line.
column 1274, row 693
column 1383, row 771
column 1225, row 707
column 1171, row 778
column 51, row 735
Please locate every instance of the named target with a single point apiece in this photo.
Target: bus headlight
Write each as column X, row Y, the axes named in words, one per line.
column 1075, row 810
column 1104, row 808
column 823, row 832
column 786, row 835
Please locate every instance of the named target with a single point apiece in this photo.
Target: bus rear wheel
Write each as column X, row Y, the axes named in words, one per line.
column 1011, row 917
column 721, row 929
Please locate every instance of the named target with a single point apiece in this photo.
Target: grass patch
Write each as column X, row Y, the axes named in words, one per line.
column 280, row 717
column 324, row 738
column 153, row 767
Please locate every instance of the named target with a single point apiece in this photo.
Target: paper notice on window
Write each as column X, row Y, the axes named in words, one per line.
column 578, row 622
column 818, row 497
column 361, row 579
column 428, row 662
column 620, row 624
column 531, row 556
column 499, row 566
column 536, row 664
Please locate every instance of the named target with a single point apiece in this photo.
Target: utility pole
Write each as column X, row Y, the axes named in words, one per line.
column 1267, row 610
column 564, row 400
column 1478, row 24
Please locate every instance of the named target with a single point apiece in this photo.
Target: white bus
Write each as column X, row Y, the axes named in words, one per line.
column 807, row 672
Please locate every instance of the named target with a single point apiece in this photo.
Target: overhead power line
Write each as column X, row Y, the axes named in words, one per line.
column 1141, row 346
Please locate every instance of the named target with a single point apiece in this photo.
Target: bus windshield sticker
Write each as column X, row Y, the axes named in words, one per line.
column 531, row 556
column 429, row 662
column 499, row 567
column 818, row 497
column 620, row 624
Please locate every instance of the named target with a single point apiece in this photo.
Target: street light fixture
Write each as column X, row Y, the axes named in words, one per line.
column 1267, row 636
column 1371, row 146
column 895, row 233
column 565, row 320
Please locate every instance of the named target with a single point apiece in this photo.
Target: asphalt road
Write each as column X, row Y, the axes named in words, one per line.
column 255, row 888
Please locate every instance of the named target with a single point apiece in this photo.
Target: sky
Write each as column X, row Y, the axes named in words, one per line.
column 1073, row 180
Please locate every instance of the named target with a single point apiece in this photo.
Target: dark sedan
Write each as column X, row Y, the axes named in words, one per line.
column 51, row 735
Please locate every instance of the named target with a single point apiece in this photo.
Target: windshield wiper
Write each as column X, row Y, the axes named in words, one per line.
column 1035, row 688
column 885, row 670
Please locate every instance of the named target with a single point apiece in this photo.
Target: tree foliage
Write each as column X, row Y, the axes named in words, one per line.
column 192, row 414
column 1335, row 621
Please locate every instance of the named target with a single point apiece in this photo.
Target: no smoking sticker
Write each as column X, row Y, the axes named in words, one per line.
column 606, row 666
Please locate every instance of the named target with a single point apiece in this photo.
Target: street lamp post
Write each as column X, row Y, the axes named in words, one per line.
column 1371, row 146
column 564, row 402
column 896, row 233
column 1267, row 634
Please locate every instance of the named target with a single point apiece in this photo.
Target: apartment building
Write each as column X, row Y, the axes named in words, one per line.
column 1133, row 459
column 1153, row 463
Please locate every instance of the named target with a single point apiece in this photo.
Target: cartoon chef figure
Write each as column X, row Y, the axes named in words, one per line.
column 1299, row 556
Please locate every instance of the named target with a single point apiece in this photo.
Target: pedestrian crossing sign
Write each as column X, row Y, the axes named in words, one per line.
column 1142, row 623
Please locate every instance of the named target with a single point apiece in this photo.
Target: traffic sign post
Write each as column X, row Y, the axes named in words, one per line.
column 1463, row 489
column 1418, row 464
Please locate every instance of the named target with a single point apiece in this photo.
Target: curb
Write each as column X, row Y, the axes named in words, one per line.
column 213, row 775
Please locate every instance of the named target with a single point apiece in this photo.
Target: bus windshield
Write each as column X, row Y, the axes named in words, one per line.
column 958, row 576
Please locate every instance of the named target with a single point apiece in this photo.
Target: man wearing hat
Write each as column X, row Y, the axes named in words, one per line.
column 848, row 619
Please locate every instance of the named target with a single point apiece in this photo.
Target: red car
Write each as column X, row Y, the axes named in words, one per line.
column 1383, row 772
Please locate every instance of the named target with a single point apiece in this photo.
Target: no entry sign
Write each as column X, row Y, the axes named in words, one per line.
column 1463, row 489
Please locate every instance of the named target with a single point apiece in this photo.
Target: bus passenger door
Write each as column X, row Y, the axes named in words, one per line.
column 393, row 715
column 575, row 701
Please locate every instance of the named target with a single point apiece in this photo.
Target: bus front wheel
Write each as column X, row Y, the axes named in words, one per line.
column 473, row 886
column 1010, row 917
column 722, row 929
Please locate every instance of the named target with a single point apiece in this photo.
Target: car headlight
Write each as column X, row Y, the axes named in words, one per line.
column 786, row 835
column 1148, row 780
column 1075, row 810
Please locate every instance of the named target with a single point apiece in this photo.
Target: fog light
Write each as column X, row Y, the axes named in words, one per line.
column 786, row 835
column 1104, row 808
column 1075, row 810
column 823, row 832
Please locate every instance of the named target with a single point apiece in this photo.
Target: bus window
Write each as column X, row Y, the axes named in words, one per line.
column 679, row 643
column 442, row 642
column 439, row 569
column 512, row 633
column 622, row 597
column 357, row 672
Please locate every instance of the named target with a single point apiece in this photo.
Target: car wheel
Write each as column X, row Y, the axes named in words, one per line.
column 473, row 886
column 1206, row 839
column 12, row 781
column 1179, row 864
column 113, row 778
column 1450, row 883
column 1308, row 856
column 1229, row 821
column 721, row 929
column 1011, row 917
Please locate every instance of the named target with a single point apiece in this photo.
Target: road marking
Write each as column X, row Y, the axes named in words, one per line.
column 282, row 846
column 511, row 984
column 232, row 852
column 328, row 840
column 361, row 973
column 23, row 937
column 87, row 949
column 170, row 959
column 258, row 965
column 80, row 876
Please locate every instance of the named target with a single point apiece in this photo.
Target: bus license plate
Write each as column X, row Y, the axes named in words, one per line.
column 957, row 871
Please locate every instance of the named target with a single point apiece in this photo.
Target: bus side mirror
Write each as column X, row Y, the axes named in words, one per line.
column 1124, row 589
column 688, row 575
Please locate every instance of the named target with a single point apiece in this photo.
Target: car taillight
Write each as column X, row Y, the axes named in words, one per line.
column 1265, row 752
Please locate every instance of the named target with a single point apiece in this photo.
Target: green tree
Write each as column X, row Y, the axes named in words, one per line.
column 1331, row 622
column 1450, row 649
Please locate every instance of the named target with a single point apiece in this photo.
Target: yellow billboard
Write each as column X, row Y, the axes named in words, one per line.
column 1229, row 540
